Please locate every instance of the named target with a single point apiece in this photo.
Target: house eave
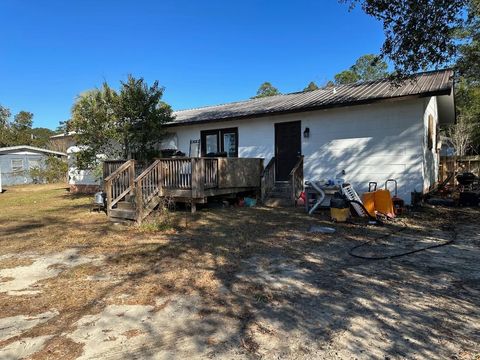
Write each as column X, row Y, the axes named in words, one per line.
column 446, row 91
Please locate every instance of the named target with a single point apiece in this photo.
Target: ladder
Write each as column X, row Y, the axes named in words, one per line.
column 351, row 194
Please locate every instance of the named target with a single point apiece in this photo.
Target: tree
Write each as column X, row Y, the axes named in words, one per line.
column 5, row 135
column 346, row 77
column 141, row 115
column 22, row 128
column 311, row 86
column 41, row 137
column 468, row 62
column 367, row 68
column 124, row 124
column 467, row 96
column 370, row 67
column 95, row 124
column 460, row 135
column 418, row 34
column 266, row 89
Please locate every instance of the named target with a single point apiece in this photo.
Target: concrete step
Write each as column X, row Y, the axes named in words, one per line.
column 125, row 205
column 123, row 214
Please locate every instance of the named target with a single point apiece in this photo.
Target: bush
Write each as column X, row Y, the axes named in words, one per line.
column 53, row 170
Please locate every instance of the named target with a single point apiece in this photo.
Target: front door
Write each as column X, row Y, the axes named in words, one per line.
column 288, row 147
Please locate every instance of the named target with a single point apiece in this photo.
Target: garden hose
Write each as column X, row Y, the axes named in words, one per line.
column 365, row 243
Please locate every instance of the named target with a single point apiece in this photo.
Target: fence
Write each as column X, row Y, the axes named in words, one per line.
column 457, row 164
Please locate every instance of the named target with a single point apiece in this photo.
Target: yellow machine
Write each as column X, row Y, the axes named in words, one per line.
column 368, row 198
column 339, row 210
column 378, row 201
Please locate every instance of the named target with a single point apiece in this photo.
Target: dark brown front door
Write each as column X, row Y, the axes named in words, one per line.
column 288, row 147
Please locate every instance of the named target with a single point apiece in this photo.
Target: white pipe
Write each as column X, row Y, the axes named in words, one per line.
column 320, row 192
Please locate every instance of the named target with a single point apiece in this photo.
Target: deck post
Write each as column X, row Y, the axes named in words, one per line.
column 131, row 176
column 198, row 180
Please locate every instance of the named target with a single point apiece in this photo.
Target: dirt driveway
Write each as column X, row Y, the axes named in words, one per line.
column 233, row 283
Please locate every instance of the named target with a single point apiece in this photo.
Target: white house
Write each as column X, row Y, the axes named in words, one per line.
column 373, row 130
column 79, row 180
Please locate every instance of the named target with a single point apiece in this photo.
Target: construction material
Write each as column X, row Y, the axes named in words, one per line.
column 352, row 195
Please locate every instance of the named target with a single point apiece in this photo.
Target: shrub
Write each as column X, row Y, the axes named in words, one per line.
column 53, row 170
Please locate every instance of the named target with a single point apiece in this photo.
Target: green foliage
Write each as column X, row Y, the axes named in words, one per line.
column 468, row 63
column 53, row 170
column 162, row 219
column 141, row 114
column 418, row 34
column 41, row 137
column 468, row 112
column 346, row 77
column 311, row 86
column 94, row 120
column 119, row 125
column 266, row 89
column 20, row 131
column 367, row 68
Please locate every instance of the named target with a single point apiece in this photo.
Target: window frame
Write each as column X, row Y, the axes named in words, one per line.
column 13, row 167
column 220, row 139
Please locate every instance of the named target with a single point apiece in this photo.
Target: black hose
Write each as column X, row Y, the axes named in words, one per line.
column 350, row 252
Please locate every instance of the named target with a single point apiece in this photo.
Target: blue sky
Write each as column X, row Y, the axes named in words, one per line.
column 203, row 52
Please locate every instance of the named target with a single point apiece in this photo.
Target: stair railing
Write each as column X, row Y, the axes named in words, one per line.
column 296, row 179
column 119, row 184
column 148, row 184
column 268, row 179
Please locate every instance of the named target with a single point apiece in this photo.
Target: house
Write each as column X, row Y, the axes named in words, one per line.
column 373, row 130
column 80, row 180
column 16, row 161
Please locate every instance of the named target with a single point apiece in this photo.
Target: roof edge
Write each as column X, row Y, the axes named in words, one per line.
column 313, row 108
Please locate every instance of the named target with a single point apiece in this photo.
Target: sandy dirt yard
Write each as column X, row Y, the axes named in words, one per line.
column 233, row 283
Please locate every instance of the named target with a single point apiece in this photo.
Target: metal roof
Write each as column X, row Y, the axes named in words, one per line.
column 439, row 82
column 31, row 148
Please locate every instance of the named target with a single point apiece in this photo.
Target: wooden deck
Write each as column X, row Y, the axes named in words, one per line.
column 191, row 180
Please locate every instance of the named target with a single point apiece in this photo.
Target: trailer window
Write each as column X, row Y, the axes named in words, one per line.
column 17, row 165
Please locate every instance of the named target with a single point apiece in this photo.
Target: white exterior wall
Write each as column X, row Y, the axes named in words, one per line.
column 75, row 175
column 370, row 142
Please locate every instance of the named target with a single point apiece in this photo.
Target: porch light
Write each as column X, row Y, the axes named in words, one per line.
column 306, row 132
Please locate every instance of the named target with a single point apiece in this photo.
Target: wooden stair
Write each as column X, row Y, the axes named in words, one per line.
column 125, row 210
column 282, row 193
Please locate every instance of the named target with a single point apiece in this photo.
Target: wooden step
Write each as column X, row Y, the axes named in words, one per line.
column 123, row 214
column 125, row 205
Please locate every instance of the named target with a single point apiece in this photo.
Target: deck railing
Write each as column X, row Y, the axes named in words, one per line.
column 148, row 185
column 185, row 178
column 296, row 180
column 176, row 173
column 268, row 179
column 120, row 183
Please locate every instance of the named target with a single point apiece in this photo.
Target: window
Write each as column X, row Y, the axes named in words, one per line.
column 220, row 141
column 17, row 165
